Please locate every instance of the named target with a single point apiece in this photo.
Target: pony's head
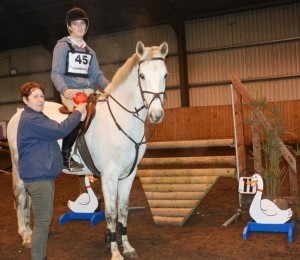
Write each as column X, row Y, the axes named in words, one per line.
column 152, row 75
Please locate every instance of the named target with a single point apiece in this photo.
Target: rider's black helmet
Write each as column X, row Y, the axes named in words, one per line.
column 77, row 13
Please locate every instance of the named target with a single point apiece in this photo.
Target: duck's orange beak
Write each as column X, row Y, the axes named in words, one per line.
column 252, row 183
column 92, row 178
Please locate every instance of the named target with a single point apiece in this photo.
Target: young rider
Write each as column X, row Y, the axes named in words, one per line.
column 75, row 68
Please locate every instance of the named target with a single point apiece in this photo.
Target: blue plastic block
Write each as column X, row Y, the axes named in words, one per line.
column 289, row 228
column 94, row 217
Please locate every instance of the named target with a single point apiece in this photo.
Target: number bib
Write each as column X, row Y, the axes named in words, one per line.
column 78, row 64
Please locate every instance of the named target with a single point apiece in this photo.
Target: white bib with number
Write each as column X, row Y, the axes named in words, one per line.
column 78, row 63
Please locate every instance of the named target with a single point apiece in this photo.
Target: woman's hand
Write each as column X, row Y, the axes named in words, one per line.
column 81, row 108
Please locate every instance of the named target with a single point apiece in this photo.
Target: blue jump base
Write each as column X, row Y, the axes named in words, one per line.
column 94, row 217
column 289, row 228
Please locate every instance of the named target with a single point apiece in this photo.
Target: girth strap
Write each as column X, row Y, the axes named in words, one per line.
column 85, row 155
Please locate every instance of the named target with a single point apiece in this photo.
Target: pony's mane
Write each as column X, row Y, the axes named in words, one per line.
column 123, row 72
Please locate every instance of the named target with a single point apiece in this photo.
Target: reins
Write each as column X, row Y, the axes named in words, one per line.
column 135, row 113
column 137, row 144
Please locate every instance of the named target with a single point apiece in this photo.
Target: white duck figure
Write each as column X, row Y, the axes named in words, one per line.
column 265, row 211
column 86, row 202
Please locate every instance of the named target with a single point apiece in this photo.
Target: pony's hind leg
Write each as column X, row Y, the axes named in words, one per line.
column 22, row 203
column 21, row 198
column 124, row 187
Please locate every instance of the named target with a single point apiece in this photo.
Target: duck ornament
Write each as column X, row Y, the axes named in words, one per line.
column 264, row 211
column 86, row 202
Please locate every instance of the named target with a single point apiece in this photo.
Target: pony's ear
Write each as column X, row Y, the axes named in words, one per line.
column 140, row 49
column 163, row 48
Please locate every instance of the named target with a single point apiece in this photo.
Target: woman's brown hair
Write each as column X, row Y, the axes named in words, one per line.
column 28, row 87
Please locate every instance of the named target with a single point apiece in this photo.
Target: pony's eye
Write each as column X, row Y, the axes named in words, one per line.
column 142, row 76
column 166, row 75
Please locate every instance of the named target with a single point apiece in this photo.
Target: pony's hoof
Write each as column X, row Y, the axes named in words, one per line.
column 26, row 244
column 130, row 255
column 27, row 241
column 117, row 257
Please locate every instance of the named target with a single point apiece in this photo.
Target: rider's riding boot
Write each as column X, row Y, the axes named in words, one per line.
column 68, row 162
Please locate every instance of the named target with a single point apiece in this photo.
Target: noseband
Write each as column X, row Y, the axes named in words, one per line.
column 155, row 94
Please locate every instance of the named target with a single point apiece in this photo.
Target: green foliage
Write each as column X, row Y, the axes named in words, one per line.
column 271, row 157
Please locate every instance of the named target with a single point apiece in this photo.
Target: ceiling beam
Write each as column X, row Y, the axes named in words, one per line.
column 178, row 25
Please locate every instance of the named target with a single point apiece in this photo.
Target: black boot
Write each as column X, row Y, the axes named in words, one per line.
column 69, row 163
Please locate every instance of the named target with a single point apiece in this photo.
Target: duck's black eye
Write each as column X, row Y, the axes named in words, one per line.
column 166, row 75
column 142, row 76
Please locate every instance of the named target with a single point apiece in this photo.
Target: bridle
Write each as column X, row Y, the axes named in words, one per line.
column 135, row 113
column 155, row 94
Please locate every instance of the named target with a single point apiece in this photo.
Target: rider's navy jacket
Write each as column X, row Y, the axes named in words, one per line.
column 39, row 152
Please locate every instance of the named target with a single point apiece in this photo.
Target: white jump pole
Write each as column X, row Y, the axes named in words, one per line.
column 238, row 213
column 235, row 133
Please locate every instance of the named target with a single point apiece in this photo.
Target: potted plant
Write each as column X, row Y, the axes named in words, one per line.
column 269, row 157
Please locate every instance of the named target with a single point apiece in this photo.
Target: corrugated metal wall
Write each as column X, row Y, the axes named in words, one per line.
column 114, row 49
column 32, row 64
column 262, row 47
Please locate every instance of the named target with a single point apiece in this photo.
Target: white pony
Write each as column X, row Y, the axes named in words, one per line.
column 115, row 139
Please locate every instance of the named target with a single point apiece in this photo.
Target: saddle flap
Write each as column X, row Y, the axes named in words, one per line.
column 90, row 113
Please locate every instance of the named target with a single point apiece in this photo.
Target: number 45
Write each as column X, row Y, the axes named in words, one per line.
column 82, row 59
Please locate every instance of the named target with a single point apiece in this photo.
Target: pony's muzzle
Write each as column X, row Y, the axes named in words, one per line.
column 156, row 116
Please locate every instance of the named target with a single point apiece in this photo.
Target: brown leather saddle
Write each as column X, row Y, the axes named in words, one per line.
column 90, row 112
column 80, row 141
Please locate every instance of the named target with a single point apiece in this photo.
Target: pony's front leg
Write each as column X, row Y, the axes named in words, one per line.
column 124, row 188
column 23, row 204
column 109, row 189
